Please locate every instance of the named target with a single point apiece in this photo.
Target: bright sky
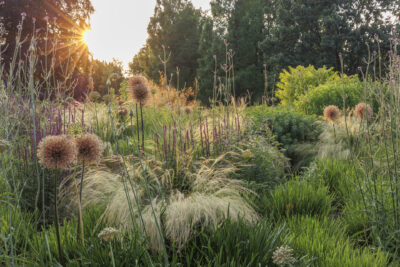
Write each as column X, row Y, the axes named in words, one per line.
column 119, row 27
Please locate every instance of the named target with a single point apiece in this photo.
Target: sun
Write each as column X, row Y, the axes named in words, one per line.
column 87, row 37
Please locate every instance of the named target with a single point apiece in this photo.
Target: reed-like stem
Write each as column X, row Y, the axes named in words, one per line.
column 79, row 231
column 56, row 224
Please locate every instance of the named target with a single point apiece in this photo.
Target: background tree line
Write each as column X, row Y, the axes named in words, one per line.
column 262, row 35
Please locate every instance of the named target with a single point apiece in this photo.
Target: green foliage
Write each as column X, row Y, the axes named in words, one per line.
column 262, row 161
column 107, row 71
column 346, row 92
column 236, row 244
column 305, row 33
column 338, row 176
column 174, row 26
column 324, row 239
column 295, row 131
column 300, row 80
column 297, row 197
column 288, row 125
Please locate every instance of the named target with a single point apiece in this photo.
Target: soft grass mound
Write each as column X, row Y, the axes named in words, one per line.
column 197, row 198
column 297, row 197
column 325, row 240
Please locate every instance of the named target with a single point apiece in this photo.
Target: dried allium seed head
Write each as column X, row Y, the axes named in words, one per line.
column 283, row 256
column 90, row 148
column 138, row 89
column 94, row 96
column 363, row 111
column 331, row 113
column 108, row 234
column 57, row 152
column 188, row 110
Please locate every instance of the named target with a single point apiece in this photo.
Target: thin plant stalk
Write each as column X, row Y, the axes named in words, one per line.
column 80, row 232
column 60, row 254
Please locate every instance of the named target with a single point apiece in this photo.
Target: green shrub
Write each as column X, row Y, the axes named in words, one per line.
column 288, row 125
column 297, row 197
column 325, row 240
column 339, row 92
column 261, row 161
column 295, row 131
column 298, row 81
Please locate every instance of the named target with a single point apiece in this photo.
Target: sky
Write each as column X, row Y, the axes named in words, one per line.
column 119, row 27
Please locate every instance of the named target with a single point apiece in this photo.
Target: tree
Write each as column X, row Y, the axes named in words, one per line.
column 315, row 32
column 103, row 71
column 175, row 27
column 58, row 26
column 245, row 33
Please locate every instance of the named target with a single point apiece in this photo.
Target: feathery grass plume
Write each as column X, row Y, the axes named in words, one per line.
column 331, row 113
column 94, row 96
column 363, row 111
column 57, row 152
column 138, row 89
column 90, row 148
column 283, row 256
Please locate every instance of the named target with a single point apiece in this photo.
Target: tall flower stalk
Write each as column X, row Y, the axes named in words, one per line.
column 57, row 153
column 89, row 150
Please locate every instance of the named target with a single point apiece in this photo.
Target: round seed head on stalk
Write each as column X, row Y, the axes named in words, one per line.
column 94, row 96
column 283, row 256
column 138, row 90
column 363, row 111
column 188, row 110
column 108, row 234
column 331, row 113
column 90, row 148
column 57, row 152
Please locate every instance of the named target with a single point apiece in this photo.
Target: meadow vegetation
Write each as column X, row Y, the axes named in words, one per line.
column 147, row 176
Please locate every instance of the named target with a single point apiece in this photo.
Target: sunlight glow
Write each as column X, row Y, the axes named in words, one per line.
column 119, row 28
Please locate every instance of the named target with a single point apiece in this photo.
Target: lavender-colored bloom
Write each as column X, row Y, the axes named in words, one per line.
column 19, row 26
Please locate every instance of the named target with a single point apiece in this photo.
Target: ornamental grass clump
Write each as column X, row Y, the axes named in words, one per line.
column 200, row 197
column 57, row 153
column 89, row 150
